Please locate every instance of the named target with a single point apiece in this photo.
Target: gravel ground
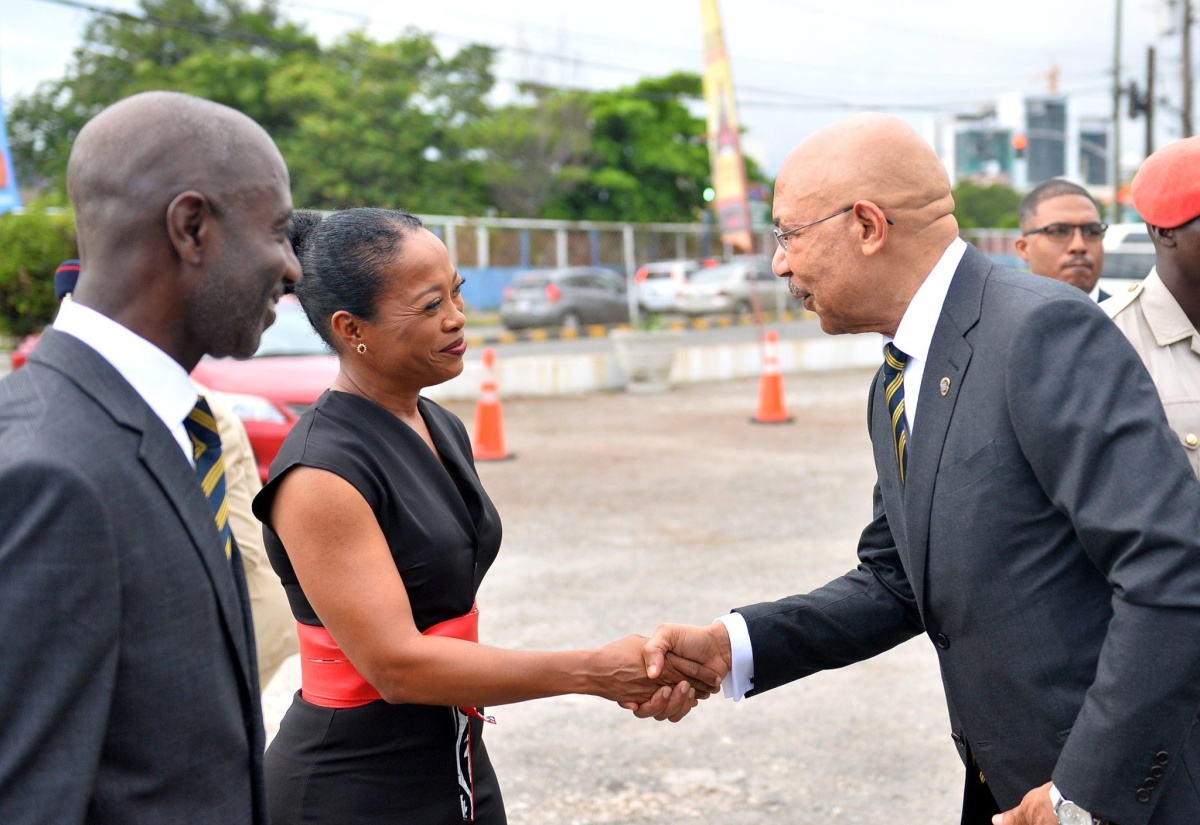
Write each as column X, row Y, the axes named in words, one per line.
column 625, row 510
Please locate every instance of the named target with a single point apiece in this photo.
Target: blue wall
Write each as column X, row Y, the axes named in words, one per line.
column 485, row 285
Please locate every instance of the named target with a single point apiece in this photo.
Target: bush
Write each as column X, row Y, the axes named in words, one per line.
column 31, row 248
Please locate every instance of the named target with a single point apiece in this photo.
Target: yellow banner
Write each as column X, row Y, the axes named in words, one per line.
column 724, row 137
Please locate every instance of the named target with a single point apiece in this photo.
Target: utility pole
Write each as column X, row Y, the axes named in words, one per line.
column 1143, row 103
column 1187, row 69
column 1149, row 101
column 1116, row 117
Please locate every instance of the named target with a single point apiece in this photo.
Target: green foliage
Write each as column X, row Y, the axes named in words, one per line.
column 396, row 124
column 32, row 246
column 648, row 159
column 991, row 207
column 537, row 152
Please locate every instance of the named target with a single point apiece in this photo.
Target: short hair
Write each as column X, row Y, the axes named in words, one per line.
column 341, row 257
column 1053, row 188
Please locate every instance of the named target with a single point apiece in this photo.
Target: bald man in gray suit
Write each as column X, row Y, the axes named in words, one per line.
column 1034, row 516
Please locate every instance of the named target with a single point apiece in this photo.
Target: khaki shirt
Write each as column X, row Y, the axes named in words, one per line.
column 1170, row 348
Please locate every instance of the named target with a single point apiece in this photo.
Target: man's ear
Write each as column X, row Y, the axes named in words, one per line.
column 190, row 220
column 1022, row 247
column 1164, row 237
column 872, row 226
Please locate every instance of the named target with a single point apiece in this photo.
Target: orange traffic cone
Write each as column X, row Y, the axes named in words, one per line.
column 771, row 407
column 489, row 417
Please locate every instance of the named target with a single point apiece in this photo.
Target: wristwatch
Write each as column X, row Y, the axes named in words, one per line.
column 1068, row 812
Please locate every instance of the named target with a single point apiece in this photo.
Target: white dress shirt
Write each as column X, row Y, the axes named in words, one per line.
column 914, row 335
column 157, row 377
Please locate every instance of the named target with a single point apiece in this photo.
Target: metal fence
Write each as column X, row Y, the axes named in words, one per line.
column 489, row 251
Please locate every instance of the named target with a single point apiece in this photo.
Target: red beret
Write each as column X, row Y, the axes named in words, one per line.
column 1166, row 190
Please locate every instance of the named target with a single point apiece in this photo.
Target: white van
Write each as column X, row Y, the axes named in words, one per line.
column 1128, row 256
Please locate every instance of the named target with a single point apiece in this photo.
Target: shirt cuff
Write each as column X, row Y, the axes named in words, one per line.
column 740, row 678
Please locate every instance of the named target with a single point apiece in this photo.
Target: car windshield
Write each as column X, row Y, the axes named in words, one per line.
column 530, row 280
column 716, row 274
column 291, row 334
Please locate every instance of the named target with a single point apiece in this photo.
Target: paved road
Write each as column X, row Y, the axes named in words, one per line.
column 623, row 510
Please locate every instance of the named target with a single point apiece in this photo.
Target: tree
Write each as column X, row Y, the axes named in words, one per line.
column 648, row 159
column 988, row 207
column 535, row 153
column 360, row 123
column 219, row 49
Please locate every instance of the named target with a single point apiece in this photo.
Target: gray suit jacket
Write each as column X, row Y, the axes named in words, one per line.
column 127, row 684
column 1047, row 541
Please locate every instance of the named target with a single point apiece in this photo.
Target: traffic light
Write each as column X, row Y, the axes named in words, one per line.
column 1019, row 142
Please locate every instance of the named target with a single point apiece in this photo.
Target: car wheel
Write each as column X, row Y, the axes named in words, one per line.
column 742, row 309
column 569, row 320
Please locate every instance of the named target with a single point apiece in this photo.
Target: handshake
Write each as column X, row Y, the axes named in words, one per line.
column 665, row 676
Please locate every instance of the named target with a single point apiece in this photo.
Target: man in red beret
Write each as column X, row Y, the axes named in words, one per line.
column 1160, row 316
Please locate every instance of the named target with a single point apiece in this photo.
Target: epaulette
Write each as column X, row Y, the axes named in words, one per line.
column 1115, row 303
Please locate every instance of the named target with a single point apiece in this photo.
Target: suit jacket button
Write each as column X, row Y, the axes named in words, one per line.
column 1149, row 782
column 958, row 740
column 1162, row 757
column 1157, row 771
column 1143, row 795
column 942, row 641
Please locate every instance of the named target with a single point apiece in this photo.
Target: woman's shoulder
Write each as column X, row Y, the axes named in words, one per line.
column 435, row 413
column 327, row 436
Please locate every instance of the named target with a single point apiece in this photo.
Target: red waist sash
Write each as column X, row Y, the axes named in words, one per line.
column 329, row 680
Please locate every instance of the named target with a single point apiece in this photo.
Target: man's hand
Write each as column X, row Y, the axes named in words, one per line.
column 696, row 653
column 1035, row 809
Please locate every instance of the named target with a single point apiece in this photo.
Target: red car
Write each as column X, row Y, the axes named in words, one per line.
column 20, row 355
column 271, row 389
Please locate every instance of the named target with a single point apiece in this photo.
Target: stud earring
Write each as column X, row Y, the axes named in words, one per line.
column 362, row 348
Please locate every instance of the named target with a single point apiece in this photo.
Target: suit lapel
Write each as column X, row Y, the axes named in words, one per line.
column 946, row 367
column 160, row 454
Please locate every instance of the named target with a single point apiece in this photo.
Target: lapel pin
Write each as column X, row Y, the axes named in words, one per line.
column 944, row 385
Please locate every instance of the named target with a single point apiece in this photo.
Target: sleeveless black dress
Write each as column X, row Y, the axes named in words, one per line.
column 382, row 763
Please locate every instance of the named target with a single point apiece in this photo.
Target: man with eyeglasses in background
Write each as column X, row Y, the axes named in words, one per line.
column 1062, row 236
column 1161, row 314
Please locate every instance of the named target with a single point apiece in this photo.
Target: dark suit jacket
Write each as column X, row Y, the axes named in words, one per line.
column 127, row 686
column 1047, row 541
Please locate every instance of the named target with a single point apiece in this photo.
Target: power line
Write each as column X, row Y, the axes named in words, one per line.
column 783, row 99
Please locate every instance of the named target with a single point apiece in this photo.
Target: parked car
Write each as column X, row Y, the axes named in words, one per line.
column 729, row 287
column 566, row 297
column 659, row 282
column 270, row 390
column 20, row 355
column 1128, row 252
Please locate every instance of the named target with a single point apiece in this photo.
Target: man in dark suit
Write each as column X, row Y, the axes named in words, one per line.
column 1033, row 515
column 1062, row 235
column 128, row 677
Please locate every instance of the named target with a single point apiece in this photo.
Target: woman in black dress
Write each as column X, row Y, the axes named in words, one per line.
column 381, row 532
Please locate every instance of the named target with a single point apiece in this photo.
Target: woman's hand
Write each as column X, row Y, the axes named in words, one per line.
column 619, row 672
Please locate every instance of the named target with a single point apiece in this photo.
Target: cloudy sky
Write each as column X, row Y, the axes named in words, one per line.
column 798, row 64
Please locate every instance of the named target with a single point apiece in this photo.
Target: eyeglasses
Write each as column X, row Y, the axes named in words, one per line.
column 1066, row 231
column 782, row 236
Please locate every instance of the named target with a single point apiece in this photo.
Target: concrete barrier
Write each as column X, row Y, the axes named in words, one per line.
column 546, row 375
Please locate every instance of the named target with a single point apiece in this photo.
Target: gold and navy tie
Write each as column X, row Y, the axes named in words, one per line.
column 893, row 390
column 210, row 467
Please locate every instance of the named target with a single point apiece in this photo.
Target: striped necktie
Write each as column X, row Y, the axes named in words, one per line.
column 893, row 390
column 210, row 467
